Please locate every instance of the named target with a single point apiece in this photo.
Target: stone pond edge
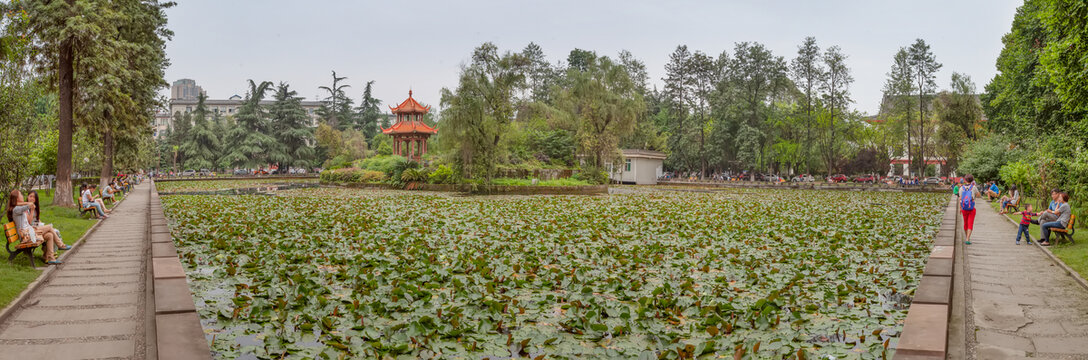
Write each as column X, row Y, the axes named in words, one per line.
column 174, row 329
column 930, row 323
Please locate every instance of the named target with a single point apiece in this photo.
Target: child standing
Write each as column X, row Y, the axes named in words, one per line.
column 1025, row 222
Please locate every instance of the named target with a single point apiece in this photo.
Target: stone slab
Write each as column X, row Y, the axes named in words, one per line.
column 1058, row 345
column 94, row 350
column 163, row 249
column 938, row 267
column 87, row 300
column 159, row 229
column 996, row 352
column 181, row 337
column 110, row 313
column 998, row 315
column 97, row 280
column 161, row 237
column 1013, row 342
column 54, row 331
column 942, row 252
column 944, row 241
column 173, row 296
column 925, row 331
column 167, row 268
column 90, row 289
column 934, row 290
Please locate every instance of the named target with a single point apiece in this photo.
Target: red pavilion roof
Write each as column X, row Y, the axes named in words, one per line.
column 408, row 127
column 410, row 106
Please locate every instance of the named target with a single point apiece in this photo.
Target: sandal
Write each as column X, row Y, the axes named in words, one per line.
column 1044, row 243
column 53, row 262
column 66, row 247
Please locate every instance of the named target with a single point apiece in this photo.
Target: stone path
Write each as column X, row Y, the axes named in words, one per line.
column 1020, row 303
column 92, row 308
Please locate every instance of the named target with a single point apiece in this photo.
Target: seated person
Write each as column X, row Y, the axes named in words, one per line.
column 1011, row 199
column 88, row 201
column 1051, row 212
column 40, row 228
column 993, row 192
column 1064, row 213
column 109, row 191
column 19, row 212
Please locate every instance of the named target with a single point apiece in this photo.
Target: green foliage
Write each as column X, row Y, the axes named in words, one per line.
column 985, row 157
column 389, row 165
column 291, row 128
column 529, row 182
column 591, row 175
column 249, row 142
column 1021, row 174
column 442, row 175
column 413, row 175
column 352, row 175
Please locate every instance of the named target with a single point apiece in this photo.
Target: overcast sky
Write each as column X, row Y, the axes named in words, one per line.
column 420, row 44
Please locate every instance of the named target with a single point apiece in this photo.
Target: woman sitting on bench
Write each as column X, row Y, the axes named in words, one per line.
column 1013, row 198
column 1062, row 222
column 108, row 192
column 40, row 228
column 19, row 213
column 88, row 201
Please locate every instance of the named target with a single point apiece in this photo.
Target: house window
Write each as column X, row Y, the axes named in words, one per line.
column 627, row 165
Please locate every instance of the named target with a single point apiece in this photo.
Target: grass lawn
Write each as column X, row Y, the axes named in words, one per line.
column 15, row 277
column 1076, row 256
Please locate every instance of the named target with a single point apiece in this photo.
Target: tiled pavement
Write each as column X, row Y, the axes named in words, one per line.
column 93, row 306
column 1021, row 304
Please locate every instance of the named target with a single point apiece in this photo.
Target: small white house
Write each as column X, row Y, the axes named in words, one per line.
column 640, row 167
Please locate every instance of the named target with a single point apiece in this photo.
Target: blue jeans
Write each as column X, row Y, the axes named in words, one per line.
column 1023, row 230
column 1046, row 229
column 97, row 208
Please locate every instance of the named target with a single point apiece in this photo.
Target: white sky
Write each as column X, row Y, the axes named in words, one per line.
column 420, row 44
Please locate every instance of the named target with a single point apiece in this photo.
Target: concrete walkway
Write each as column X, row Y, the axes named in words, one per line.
column 1019, row 302
column 92, row 307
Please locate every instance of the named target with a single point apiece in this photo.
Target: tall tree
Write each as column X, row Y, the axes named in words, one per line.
column 291, row 128
column 249, row 141
column 807, row 70
column 924, row 66
column 898, row 89
column 201, row 145
column 836, row 87
column 754, row 74
column 605, row 103
column 477, row 113
column 333, row 109
column 679, row 80
column 370, row 112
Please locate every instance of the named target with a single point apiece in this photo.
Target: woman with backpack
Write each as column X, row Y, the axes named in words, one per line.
column 967, row 206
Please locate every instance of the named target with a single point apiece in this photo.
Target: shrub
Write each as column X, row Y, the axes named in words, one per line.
column 352, row 175
column 413, row 175
column 592, row 176
column 442, row 175
column 385, row 164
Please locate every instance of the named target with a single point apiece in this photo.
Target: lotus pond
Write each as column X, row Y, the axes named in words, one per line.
column 343, row 273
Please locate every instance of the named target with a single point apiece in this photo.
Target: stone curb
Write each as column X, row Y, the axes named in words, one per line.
column 47, row 274
column 1072, row 273
column 192, row 178
column 926, row 328
column 178, row 333
column 810, row 186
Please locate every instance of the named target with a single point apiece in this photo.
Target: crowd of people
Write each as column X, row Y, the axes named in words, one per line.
column 25, row 212
column 1057, row 215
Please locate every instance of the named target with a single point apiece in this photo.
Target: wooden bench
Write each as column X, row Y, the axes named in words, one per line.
column 16, row 246
column 1014, row 206
column 1067, row 232
column 90, row 209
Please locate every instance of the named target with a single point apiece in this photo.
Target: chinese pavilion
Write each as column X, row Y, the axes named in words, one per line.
column 410, row 133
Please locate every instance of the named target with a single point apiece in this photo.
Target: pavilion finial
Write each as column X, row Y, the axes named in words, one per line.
column 409, row 92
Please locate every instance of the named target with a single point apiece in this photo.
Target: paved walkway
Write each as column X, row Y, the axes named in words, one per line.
column 92, row 308
column 1020, row 304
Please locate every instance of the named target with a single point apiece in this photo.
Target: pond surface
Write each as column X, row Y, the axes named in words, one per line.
column 270, row 189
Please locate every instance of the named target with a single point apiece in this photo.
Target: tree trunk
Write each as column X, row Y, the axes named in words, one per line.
column 66, row 86
column 107, row 159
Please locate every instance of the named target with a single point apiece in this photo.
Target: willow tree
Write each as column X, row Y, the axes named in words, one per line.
column 476, row 115
column 605, row 103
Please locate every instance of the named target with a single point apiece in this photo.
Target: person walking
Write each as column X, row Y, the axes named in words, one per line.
column 967, row 206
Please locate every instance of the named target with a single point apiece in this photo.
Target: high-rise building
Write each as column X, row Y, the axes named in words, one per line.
column 185, row 89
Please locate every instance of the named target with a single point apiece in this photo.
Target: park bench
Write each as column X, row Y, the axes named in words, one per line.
column 88, row 209
column 1067, row 232
column 1014, row 206
column 16, row 246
